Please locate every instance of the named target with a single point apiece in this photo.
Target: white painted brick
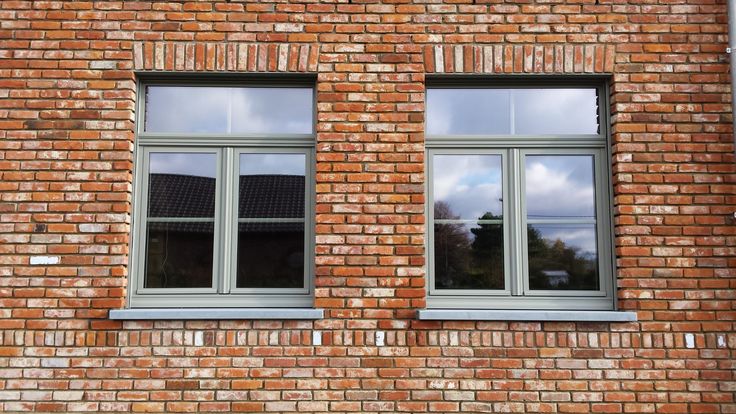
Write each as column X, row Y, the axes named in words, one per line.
column 690, row 340
column 55, row 362
column 9, row 395
column 380, row 338
column 68, row 395
column 45, row 260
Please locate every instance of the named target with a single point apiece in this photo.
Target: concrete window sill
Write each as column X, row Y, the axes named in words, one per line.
column 519, row 315
column 216, row 313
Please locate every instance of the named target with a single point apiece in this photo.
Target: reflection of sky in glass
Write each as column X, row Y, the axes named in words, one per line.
column 230, row 110
column 579, row 235
column 556, row 111
column 560, row 186
column 468, row 111
column 272, row 164
column 488, row 111
column 469, row 184
column 184, row 163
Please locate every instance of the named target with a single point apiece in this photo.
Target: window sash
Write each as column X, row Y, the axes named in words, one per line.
column 233, row 223
column 262, row 80
column 603, row 237
column 506, row 209
column 140, row 230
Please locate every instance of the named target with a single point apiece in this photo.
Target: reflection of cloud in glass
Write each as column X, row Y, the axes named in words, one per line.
column 468, row 111
column 183, row 163
column 555, row 111
column 469, row 184
column 560, row 186
column 276, row 164
column 489, row 111
column 200, row 109
column 272, row 110
column 579, row 236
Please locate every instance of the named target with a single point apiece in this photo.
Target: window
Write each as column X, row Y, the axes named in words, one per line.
column 519, row 199
column 223, row 195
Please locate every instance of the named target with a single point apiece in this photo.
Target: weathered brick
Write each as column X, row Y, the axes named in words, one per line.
column 67, row 113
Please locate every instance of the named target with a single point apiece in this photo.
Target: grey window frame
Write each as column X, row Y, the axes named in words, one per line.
column 224, row 293
column 514, row 148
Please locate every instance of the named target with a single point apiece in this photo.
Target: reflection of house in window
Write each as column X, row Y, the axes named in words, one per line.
column 270, row 254
column 556, row 278
column 180, row 252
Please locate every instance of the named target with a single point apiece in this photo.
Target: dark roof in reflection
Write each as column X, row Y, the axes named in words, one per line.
column 271, row 196
column 265, row 196
column 175, row 195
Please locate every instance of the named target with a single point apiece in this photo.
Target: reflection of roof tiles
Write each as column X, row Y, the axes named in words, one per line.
column 205, row 227
column 174, row 195
column 266, row 196
column 272, row 196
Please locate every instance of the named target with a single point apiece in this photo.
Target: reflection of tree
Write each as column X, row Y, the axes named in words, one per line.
column 473, row 258
column 488, row 252
column 451, row 243
column 467, row 260
column 553, row 256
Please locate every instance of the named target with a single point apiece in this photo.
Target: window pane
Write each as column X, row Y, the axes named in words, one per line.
column 467, row 187
column 562, row 257
column 468, row 256
column 466, row 111
column 560, row 186
column 270, row 255
column 182, row 184
column 228, row 110
column 186, row 109
column 518, row 111
column 272, row 110
column 554, row 111
column 272, row 185
column 179, row 255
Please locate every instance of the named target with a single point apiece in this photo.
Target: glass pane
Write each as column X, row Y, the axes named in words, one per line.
column 562, row 257
column 465, row 111
column 560, row 186
column 228, row 110
column 179, row 255
column 518, row 111
column 272, row 110
column 182, row 184
column 186, row 109
column 467, row 187
column 270, row 255
column 468, row 256
column 555, row 111
column 272, row 186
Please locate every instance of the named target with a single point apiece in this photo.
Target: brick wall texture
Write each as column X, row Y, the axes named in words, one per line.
column 67, row 112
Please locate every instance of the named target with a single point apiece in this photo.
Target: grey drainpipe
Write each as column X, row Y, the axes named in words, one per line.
column 732, row 53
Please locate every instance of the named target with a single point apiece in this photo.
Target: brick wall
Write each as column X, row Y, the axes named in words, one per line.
column 67, row 97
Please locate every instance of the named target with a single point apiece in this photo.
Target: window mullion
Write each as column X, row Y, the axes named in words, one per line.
column 516, row 213
column 228, row 210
